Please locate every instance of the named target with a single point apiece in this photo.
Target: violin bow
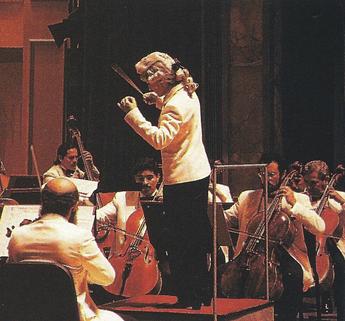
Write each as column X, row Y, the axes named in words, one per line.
column 124, row 76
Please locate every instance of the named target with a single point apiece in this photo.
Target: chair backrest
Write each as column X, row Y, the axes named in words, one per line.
column 37, row 291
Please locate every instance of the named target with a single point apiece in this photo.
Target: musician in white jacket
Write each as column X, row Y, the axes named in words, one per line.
column 54, row 237
column 66, row 164
column 316, row 177
column 294, row 262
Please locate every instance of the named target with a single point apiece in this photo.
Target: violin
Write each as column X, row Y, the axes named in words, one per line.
column 245, row 275
column 324, row 267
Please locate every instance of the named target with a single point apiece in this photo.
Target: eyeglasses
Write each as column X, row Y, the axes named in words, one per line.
column 269, row 174
column 148, row 73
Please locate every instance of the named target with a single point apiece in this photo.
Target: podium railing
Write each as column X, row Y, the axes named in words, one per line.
column 214, row 221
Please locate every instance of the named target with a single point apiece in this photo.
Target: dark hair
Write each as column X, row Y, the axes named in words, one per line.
column 58, row 203
column 268, row 158
column 145, row 164
column 62, row 151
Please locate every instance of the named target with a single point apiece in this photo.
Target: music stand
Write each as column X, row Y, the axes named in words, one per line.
column 24, row 189
column 156, row 222
column 223, row 235
column 215, row 218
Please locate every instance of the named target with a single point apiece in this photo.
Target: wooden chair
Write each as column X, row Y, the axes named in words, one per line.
column 37, row 291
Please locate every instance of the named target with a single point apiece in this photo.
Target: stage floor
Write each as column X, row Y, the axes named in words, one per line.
column 160, row 308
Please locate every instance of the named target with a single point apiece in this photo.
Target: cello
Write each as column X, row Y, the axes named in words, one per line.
column 324, row 267
column 134, row 261
column 245, row 274
column 135, row 264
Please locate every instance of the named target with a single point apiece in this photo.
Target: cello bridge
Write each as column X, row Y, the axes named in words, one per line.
column 134, row 252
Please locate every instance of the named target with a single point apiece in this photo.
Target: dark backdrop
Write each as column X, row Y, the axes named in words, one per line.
column 311, row 81
column 122, row 32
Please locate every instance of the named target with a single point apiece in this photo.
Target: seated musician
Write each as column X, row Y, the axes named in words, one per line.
column 223, row 194
column 294, row 264
column 316, row 176
column 66, row 164
column 146, row 173
column 54, row 237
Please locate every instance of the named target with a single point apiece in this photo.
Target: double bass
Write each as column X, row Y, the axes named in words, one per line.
column 245, row 275
column 75, row 134
column 134, row 261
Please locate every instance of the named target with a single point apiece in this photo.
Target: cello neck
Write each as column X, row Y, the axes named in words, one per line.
column 276, row 203
column 325, row 194
column 339, row 172
column 324, row 198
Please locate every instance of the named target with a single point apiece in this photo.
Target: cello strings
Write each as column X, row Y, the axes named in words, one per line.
column 109, row 227
column 141, row 228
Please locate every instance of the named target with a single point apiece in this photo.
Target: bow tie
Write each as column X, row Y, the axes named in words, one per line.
column 146, row 198
column 69, row 173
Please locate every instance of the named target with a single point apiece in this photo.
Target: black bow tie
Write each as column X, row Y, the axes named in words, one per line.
column 146, row 198
column 69, row 173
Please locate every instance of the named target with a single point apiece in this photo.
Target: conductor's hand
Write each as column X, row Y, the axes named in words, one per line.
column 151, row 98
column 127, row 104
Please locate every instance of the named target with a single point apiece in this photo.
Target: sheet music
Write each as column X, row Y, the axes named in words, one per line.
column 13, row 215
column 85, row 217
column 84, row 186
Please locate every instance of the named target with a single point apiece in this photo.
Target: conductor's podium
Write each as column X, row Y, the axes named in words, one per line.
column 156, row 308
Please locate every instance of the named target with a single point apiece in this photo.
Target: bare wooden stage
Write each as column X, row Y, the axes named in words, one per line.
column 160, row 308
